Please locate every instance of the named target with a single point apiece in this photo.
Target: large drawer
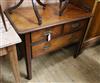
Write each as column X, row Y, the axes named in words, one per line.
column 74, row 26
column 42, row 34
column 55, row 44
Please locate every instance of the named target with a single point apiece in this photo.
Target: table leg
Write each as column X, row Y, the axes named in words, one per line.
column 34, row 8
column 14, row 62
column 16, row 6
column 62, row 8
column 37, row 13
column 40, row 3
column 78, row 51
column 28, row 55
column 80, row 44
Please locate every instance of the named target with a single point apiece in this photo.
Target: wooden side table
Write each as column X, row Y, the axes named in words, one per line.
column 8, row 41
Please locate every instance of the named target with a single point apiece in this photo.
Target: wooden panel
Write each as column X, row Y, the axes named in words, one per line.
column 55, row 44
column 42, row 34
column 74, row 26
column 95, row 24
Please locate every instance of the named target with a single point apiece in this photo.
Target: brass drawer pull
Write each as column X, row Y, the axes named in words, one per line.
column 76, row 25
column 47, row 46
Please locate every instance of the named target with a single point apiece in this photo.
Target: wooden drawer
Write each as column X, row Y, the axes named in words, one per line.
column 55, row 44
column 42, row 34
column 74, row 26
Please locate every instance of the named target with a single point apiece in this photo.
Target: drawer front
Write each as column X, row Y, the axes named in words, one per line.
column 55, row 44
column 53, row 32
column 74, row 26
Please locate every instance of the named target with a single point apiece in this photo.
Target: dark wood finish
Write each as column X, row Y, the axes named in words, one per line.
column 74, row 26
column 39, row 18
column 15, row 6
column 79, row 46
column 25, row 25
column 55, row 44
column 42, row 34
column 68, row 29
column 93, row 34
column 63, row 6
column 95, row 24
column 34, row 8
column 87, row 5
column 28, row 55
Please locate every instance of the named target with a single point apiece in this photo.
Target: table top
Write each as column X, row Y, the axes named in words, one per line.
column 10, row 37
column 24, row 19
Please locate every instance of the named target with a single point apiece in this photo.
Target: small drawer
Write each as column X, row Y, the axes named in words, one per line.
column 55, row 44
column 74, row 26
column 43, row 34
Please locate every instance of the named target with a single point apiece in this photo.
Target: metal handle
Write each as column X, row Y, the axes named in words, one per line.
column 47, row 46
column 48, row 35
column 76, row 25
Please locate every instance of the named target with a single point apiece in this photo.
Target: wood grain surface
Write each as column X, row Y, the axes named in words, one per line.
column 26, row 22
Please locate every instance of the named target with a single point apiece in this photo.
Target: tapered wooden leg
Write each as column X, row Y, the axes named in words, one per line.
column 81, row 42
column 78, row 51
column 28, row 56
column 14, row 62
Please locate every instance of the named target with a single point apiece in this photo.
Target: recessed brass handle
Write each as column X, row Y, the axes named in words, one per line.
column 47, row 46
column 76, row 25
